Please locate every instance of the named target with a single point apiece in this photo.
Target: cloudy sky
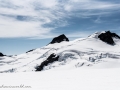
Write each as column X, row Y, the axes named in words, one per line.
column 28, row 24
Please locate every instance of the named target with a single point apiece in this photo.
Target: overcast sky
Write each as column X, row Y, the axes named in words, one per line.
column 28, row 24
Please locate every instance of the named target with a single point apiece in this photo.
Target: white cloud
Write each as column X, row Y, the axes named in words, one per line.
column 14, row 28
column 98, row 20
column 90, row 5
column 42, row 12
column 46, row 3
column 11, row 27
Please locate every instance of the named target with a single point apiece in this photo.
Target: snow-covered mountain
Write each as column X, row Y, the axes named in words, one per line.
column 99, row 50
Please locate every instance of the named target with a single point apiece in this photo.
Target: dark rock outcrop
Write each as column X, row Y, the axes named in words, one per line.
column 108, row 37
column 59, row 39
column 30, row 50
column 52, row 58
column 1, row 55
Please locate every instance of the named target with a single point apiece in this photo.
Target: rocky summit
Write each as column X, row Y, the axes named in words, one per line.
column 59, row 39
column 1, row 54
column 108, row 37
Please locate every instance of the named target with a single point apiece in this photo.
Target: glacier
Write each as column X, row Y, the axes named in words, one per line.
column 83, row 64
column 90, row 52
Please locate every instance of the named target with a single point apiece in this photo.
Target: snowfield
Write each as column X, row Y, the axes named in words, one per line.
column 75, row 79
column 83, row 64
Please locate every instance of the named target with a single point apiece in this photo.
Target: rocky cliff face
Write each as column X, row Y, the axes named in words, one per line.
column 52, row 58
column 108, row 37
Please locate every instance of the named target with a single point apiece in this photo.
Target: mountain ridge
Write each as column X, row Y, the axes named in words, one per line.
column 88, row 52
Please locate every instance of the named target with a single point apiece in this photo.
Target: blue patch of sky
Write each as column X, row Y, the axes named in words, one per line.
column 23, row 18
column 20, row 45
column 114, row 1
column 88, row 24
column 74, row 23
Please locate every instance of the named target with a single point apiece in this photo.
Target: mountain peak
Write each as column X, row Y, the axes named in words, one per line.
column 105, row 36
column 108, row 37
column 59, row 39
column 1, row 54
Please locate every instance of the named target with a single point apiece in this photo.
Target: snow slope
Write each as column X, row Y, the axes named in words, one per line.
column 88, row 52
